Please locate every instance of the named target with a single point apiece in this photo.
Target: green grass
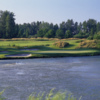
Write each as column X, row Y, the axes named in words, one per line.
column 50, row 96
column 24, row 43
column 69, row 51
column 34, row 42
column 53, row 96
column 45, row 48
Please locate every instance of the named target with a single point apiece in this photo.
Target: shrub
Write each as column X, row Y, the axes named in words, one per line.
column 47, row 45
column 61, row 44
column 13, row 45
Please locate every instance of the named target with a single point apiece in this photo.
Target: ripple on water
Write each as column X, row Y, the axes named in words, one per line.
column 20, row 73
column 14, row 64
column 80, row 75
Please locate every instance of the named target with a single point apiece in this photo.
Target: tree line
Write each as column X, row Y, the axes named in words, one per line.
column 9, row 29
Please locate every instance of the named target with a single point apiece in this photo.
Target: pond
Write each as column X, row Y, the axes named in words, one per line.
column 78, row 75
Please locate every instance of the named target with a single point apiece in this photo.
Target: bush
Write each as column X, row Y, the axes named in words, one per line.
column 47, row 45
column 61, row 44
column 13, row 45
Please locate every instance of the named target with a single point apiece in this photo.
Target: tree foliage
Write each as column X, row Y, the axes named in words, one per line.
column 68, row 34
column 7, row 24
column 59, row 34
column 50, row 34
column 66, row 29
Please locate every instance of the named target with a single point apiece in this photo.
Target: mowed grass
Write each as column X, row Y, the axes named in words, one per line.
column 69, row 51
column 24, row 43
column 34, row 42
column 45, row 47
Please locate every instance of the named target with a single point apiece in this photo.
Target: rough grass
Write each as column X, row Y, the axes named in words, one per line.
column 90, row 44
column 61, row 44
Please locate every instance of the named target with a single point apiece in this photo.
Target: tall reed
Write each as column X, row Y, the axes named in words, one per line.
column 52, row 96
column 1, row 97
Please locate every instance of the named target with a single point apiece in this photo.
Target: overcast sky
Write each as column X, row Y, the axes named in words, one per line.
column 55, row 11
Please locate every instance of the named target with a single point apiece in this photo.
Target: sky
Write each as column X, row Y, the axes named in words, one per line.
column 52, row 11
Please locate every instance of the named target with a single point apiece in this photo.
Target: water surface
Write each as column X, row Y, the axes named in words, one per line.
column 78, row 75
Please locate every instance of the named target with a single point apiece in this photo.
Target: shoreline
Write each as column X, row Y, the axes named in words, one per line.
column 30, row 56
column 19, row 55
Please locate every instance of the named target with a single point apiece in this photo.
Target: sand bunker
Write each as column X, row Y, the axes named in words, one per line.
column 19, row 55
column 29, row 49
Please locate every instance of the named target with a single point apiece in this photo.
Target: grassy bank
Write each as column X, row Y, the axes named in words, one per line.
column 45, row 48
column 50, row 96
column 53, row 96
